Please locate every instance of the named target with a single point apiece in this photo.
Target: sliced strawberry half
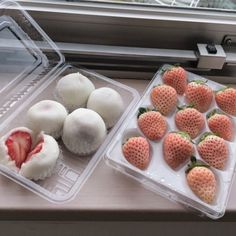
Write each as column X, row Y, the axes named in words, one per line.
column 35, row 150
column 19, row 145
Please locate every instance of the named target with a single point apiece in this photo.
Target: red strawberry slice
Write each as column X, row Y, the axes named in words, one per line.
column 19, row 144
column 35, row 150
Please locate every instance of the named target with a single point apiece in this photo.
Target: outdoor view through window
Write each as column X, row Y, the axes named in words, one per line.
column 212, row 4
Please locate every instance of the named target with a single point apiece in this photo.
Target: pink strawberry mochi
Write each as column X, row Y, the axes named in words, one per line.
column 42, row 159
column 33, row 157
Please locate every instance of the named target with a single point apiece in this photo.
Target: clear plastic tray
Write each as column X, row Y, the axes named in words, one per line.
column 31, row 66
column 71, row 170
column 159, row 177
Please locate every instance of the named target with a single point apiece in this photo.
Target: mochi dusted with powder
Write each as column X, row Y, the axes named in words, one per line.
column 32, row 156
column 107, row 103
column 47, row 116
column 73, row 91
column 84, row 131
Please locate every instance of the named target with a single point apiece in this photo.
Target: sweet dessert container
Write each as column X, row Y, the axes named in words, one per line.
column 159, row 177
column 31, row 65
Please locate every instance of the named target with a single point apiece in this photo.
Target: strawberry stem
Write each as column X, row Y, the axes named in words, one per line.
column 193, row 159
column 195, row 163
column 179, row 108
column 143, row 110
column 169, row 68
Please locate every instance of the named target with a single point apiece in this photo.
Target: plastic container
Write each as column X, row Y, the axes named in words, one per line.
column 159, row 177
column 31, row 66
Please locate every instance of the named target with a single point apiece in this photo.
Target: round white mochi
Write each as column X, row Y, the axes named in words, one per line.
column 73, row 90
column 5, row 159
column 84, row 131
column 107, row 103
column 47, row 116
column 41, row 164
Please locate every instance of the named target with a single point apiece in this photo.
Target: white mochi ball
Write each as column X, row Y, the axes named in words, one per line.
column 73, row 91
column 107, row 103
column 47, row 116
column 84, row 131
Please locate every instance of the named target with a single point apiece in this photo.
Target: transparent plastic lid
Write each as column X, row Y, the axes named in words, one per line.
column 25, row 63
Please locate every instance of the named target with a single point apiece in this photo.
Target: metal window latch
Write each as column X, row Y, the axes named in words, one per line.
column 211, row 48
column 210, row 56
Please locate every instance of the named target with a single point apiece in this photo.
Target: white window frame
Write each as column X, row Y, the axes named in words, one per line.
column 129, row 36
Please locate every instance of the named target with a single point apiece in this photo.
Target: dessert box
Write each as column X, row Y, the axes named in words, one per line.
column 31, row 66
column 158, row 176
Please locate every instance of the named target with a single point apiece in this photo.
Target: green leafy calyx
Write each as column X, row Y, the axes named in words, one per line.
column 183, row 134
column 143, row 110
column 198, row 81
column 169, row 68
column 195, row 163
column 205, row 135
column 214, row 112
column 181, row 108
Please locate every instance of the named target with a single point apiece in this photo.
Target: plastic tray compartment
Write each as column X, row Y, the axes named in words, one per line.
column 71, row 170
column 159, row 177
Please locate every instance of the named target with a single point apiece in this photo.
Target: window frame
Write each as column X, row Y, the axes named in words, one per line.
column 133, row 26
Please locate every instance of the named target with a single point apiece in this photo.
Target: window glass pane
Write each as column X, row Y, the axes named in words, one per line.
column 209, row 4
column 215, row 4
